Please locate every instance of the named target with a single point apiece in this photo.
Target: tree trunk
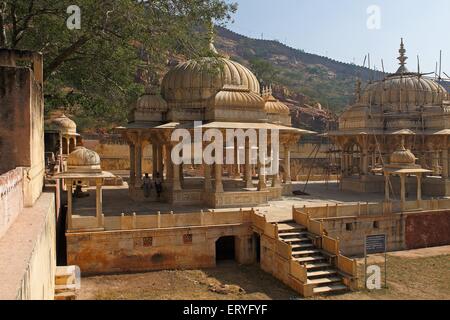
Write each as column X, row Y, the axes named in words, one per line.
column 3, row 40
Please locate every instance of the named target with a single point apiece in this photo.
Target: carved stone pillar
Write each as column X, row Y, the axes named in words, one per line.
column 248, row 168
column 276, row 180
column 419, row 187
column 154, row 159
column 445, row 163
column 69, row 186
column 207, row 183
column 132, row 165
column 261, row 178
column 365, row 160
column 160, row 160
column 138, row 161
column 287, row 164
column 99, row 203
column 176, row 183
column 386, row 188
column 403, row 190
column 218, row 178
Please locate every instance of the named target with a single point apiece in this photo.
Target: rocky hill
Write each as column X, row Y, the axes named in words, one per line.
column 307, row 78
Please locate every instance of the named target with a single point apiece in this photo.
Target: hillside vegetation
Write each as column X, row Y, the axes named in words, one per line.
column 319, row 79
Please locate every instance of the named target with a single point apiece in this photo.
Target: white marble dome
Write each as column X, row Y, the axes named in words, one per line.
column 83, row 160
column 64, row 125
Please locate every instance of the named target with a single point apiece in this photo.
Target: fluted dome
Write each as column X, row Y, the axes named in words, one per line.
column 404, row 88
column 199, row 80
column 272, row 105
column 64, row 125
column 83, row 160
column 151, row 101
column 403, row 157
column 239, row 97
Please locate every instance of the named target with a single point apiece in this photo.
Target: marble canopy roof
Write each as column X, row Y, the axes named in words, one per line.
column 212, row 125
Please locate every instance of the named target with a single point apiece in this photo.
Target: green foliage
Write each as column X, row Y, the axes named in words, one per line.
column 92, row 72
column 264, row 70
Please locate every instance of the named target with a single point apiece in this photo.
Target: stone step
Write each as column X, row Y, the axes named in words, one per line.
column 61, row 288
column 305, row 252
column 287, row 227
column 325, row 280
column 321, row 273
column 310, row 259
column 65, row 296
column 64, row 280
column 292, row 235
column 296, row 239
column 329, row 289
column 319, row 265
column 302, row 246
column 65, row 275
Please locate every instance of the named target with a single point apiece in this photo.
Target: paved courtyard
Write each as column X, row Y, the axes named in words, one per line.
column 117, row 200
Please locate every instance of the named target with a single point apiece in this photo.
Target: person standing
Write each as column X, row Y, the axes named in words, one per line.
column 158, row 184
column 146, row 185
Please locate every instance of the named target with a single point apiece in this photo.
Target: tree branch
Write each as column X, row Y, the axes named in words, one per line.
column 64, row 55
column 3, row 39
column 19, row 32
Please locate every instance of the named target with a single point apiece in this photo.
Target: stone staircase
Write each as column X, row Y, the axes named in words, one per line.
column 65, row 283
column 320, row 272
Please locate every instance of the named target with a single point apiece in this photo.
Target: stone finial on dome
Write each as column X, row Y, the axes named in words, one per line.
column 402, row 58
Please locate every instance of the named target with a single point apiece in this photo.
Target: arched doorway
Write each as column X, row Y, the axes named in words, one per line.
column 225, row 248
column 353, row 159
column 257, row 246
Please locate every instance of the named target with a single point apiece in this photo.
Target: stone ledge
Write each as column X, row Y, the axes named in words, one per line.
column 19, row 245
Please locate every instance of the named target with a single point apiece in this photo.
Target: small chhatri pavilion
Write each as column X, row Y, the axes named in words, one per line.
column 67, row 130
column 83, row 166
column 373, row 128
column 221, row 94
column 403, row 163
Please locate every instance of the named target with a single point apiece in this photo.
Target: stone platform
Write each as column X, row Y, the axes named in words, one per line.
column 116, row 200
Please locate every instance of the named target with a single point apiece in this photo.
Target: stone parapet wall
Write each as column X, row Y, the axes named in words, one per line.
column 351, row 232
column 162, row 221
column 155, row 249
column 11, row 198
column 22, row 119
column 422, row 224
column 28, row 253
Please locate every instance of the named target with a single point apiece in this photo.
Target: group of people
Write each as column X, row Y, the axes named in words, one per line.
column 147, row 185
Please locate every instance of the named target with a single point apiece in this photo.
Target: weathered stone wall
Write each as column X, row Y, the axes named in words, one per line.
column 157, row 249
column 427, row 229
column 115, row 153
column 27, row 253
column 351, row 232
column 11, row 198
column 22, row 119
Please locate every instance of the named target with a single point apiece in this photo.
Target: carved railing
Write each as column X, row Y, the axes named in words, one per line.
column 155, row 221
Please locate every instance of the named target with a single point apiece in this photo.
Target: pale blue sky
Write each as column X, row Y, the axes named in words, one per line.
column 338, row 28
